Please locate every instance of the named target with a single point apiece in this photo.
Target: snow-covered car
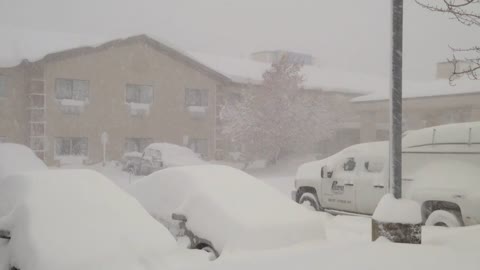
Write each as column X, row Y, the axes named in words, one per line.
column 158, row 156
column 441, row 168
column 222, row 209
column 76, row 219
column 15, row 158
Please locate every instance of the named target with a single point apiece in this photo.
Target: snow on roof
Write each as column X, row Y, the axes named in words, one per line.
column 176, row 155
column 78, row 219
column 25, row 44
column 441, row 87
column 245, row 70
column 21, row 43
column 456, row 134
column 243, row 212
column 17, row 158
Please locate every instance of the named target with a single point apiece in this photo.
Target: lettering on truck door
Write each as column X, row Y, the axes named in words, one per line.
column 341, row 189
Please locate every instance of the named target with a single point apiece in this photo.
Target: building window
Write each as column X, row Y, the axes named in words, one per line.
column 199, row 146
column 71, row 89
column 196, row 98
column 141, row 94
column 137, row 144
column 70, row 146
column 3, row 85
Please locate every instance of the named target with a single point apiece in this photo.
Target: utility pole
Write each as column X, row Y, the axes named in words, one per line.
column 396, row 99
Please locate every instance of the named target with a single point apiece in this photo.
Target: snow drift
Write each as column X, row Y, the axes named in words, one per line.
column 78, row 219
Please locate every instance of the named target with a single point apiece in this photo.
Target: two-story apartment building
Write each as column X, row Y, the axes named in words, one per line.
column 134, row 91
column 138, row 90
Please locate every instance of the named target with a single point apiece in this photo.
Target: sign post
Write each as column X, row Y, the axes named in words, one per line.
column 396, row 99
column 104, row 140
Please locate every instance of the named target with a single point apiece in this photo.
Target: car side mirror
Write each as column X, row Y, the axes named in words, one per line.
column 179, row 217
column 4, row 234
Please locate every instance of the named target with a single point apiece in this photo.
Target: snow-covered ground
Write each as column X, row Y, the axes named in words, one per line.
column 348, row 245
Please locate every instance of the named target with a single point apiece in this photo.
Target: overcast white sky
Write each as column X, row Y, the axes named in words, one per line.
column 348, row 34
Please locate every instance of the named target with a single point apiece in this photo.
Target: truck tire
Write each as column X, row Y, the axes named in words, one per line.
column 308, row 199
column 444, row 218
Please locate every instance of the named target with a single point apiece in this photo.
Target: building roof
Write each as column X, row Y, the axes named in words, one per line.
column 51, row 46
column 245, row 70
column 436, row 88
column 34, row 48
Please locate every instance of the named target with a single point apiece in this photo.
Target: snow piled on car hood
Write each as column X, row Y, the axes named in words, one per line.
column 228, row 207
column 174, row 155
column 78, row 219
column 15, row 158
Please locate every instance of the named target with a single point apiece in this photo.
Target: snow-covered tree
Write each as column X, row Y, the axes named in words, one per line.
column 465, row 61
column 279, row 116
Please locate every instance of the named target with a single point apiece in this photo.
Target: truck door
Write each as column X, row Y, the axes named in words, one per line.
column 371, row 184
column 339, row 189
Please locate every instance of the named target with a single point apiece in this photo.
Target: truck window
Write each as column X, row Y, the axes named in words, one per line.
column 349, row 164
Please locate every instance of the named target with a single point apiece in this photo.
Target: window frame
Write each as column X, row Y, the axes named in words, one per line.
column 72, row 95
column 203, row 95
column 139, row 87
column 71, row 146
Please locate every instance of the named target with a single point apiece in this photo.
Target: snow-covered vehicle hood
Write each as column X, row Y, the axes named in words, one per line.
column 311, row 170
column 77, row 219
column 229, row 208
column 17, row 158
column 173, row 155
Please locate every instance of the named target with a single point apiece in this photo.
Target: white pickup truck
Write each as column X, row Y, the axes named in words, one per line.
column 441, row 171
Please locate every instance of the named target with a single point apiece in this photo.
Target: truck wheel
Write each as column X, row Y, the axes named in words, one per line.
column 444, row 218
column 309, row 200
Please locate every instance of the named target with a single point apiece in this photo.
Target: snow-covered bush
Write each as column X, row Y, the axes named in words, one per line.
column 279, row 116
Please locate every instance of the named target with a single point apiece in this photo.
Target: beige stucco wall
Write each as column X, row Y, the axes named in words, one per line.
column 418, row 113
column 108, row 72
column 13, row 107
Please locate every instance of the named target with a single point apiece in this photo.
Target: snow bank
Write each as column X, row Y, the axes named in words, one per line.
column 461, row 237
column 78, row 219
column 174, row 155
column 16, row 158
column 394, row 210
column 228, row 207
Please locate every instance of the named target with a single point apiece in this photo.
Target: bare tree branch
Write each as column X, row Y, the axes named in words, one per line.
column 464, row 61
column 465, row 11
